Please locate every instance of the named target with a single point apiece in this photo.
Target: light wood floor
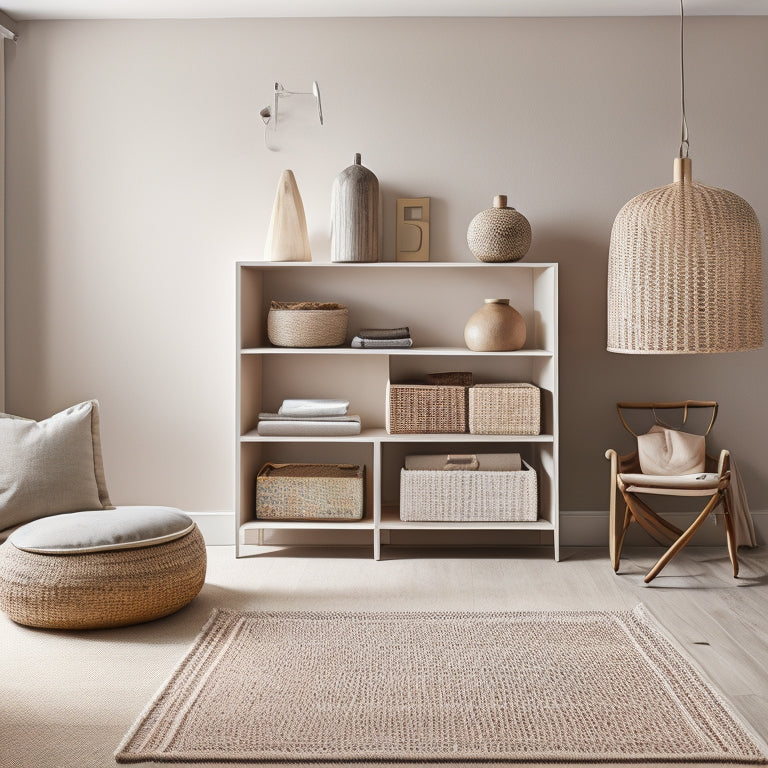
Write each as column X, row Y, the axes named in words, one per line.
column 67, row 699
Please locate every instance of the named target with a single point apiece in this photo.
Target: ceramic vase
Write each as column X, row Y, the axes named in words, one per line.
column 287, row 237
column 495, row 327
column 355, row 214
column 499, row 234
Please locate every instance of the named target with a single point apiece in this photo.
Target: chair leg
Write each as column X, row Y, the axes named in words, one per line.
column 684, row 539
column 730, row 534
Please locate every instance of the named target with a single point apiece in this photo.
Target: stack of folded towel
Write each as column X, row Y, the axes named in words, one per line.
column 310, row 417
column 370, row 338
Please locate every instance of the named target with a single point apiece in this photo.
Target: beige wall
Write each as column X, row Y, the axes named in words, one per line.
column 137, row 175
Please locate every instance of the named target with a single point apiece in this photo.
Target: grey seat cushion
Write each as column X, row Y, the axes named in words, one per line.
column 102, row 530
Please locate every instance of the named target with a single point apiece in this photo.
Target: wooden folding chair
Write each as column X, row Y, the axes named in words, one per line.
column 628, row 480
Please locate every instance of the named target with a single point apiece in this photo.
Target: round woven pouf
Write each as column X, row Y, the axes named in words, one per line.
column 111, row 568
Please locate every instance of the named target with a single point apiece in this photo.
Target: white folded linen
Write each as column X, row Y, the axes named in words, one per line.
column 308, row 428
column 282, row 417
column 314, row 407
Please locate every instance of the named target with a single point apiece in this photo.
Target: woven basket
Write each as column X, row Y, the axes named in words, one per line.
column 101, row 589
column 504, row 409
column 684, row 272
column 426, row 409
column 307, row 324
column 468, row 496
column 310, row 492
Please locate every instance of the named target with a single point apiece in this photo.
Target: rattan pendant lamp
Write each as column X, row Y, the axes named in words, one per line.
column 684, row 267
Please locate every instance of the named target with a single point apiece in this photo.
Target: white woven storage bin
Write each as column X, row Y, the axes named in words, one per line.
column 468, row 496
column 504, row 409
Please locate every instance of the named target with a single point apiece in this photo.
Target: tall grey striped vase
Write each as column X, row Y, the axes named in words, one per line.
column 355, row 213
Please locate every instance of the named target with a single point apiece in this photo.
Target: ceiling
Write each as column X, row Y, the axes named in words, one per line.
column 23, row 10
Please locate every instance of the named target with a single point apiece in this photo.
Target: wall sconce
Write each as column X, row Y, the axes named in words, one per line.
column 269, row 113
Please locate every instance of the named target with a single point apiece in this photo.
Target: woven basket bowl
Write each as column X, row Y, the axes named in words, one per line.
column 307, row 327
column 101, row 589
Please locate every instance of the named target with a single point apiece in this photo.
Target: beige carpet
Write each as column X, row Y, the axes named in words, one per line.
column 525, row 686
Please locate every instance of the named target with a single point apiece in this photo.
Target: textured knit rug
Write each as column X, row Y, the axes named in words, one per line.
column 410, row 687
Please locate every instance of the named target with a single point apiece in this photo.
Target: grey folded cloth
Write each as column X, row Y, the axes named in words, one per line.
column 360, row 343
column 385, row 333
column 314, row 407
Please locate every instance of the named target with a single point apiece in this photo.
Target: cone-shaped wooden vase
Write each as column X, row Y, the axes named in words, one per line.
column 287, row 238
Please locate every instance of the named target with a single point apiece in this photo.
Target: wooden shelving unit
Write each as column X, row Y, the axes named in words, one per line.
column 434, row 299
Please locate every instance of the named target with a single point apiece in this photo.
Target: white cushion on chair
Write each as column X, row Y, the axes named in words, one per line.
column 698, row 482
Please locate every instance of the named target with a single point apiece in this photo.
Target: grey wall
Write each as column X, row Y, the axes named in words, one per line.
column 137, row 175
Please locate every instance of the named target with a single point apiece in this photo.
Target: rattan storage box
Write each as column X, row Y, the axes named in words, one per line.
column 310, row 492
column 426, row 408
column 468, row 496
column 504, row 409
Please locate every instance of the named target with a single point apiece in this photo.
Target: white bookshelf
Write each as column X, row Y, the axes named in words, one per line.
column 434, row 299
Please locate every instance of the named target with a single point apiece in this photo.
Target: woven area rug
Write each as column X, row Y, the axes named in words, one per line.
column 460, row 687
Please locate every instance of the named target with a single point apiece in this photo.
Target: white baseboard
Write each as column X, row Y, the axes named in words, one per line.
column 578, row 528
column 218, row 528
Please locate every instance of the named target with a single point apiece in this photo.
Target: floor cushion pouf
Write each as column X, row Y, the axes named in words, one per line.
column 103, row 568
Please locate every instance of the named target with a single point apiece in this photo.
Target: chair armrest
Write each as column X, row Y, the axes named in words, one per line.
column 724, row 463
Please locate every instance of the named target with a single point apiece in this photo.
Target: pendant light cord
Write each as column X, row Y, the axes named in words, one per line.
column 684, row 129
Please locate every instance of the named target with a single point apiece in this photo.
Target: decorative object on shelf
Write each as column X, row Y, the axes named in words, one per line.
column 468, row 496
column 495, row 327
column 412, row 229
column 426, row 408
column 504, row 409
column 269, row 113
column 499, row 233
column 355, row 214
column 383, row 338
column 287, row 237
column 307, row 324
column 684, row 267
column 310, row 492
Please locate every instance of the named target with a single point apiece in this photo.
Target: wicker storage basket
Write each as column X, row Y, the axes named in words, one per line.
column 310, row 492
column 426, row 409
column 504, row 409
column 468, row 496
column 307, row 324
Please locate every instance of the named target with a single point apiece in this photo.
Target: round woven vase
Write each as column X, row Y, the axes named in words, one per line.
column 495, row 327
column 499, row 233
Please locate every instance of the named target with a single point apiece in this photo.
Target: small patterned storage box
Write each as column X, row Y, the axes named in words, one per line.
column 504, row 409
column 426, row 408
column 310, row 492
column 468, row 495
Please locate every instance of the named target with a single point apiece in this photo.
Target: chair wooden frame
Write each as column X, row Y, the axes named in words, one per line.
column 637, row 510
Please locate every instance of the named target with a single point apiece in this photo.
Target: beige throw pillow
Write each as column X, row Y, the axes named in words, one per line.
column 51, row 466
column 664, row 451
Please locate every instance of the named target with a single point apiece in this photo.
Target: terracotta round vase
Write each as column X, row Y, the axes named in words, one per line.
column 499, row 233
column 495, row 327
